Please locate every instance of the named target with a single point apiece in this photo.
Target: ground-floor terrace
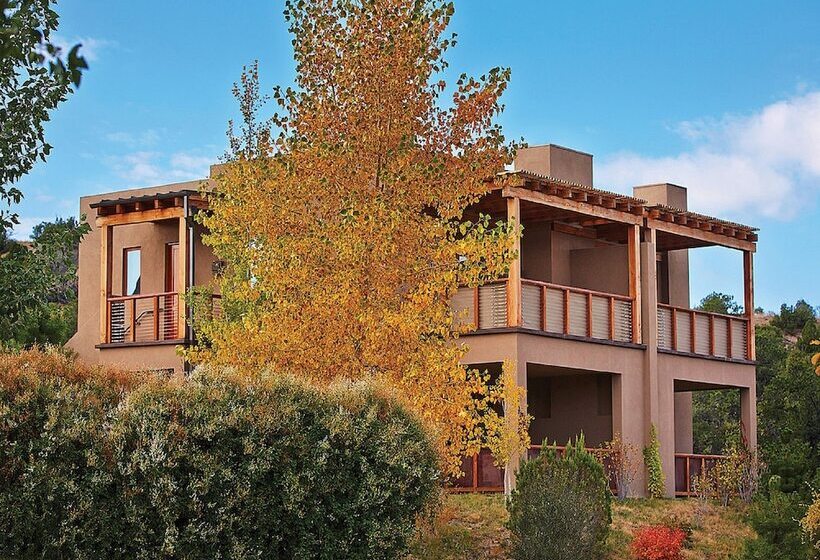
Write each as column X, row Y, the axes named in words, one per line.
column 603, row 390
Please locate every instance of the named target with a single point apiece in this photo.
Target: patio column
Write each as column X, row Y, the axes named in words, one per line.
column 748, row 415
column 514, row 277
column 106, row 237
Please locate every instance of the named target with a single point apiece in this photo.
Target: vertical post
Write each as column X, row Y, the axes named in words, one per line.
column 183, row 278
column 133, row 321
column 612, row 318
column 674, row 329
column 476, row 309
column 106, row 237
column 566, row 311
column 156, row 317
column 748, row 415
column 749, row 302
column 514, row 280
column 589, row 314
column 633, row 241
column 543, row 308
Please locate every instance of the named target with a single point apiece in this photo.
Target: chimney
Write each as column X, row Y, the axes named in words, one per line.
column 662, row 193
column 557, row 162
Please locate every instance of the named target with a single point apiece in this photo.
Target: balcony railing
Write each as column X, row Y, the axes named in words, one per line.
column 482, row 475
column 550, row 308
column 688, row 467
column 144, row 318
column 698, row 332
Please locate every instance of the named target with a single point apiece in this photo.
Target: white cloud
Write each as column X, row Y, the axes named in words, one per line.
column 761, row 164
column 22, row 231
column 144, row 168
column 90, row 49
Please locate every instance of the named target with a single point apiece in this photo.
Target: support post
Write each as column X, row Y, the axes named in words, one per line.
column 106, row 237
column 748, row 415
column 633, row 241
column 749, row 302
column 183, row 278
column 514, row 277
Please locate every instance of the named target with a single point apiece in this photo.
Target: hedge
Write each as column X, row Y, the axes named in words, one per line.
column 100, row 464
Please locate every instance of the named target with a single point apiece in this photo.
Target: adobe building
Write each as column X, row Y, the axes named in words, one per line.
column 595, row 312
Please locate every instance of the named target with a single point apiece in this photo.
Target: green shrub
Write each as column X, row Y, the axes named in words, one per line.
column 655, row 482
column 775, row 518
column 560, row 508
column 217, row 466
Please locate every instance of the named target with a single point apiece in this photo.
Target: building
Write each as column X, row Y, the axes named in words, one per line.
column 595, row 312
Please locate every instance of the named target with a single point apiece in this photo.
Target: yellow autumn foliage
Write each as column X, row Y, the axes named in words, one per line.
column 341, row 219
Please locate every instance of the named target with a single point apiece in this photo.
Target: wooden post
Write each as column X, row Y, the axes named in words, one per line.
column 133, row 320
column 514, row 279
column 749, row 302
column 106, row 237
column 589, row 315
column 183, row 277
column 566, row 311
column 634, row 241
column 543, row 308
column 674, row 329
column 156, row 317
column 476, row 308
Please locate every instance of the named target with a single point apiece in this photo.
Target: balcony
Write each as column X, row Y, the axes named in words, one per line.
column 690, row 331
column 550, row 308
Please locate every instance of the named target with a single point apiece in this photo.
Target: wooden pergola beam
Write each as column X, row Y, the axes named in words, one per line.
column 136, row 217
column 701, row 235
column 572, row 205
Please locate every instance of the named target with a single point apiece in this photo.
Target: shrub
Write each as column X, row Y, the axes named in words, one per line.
column 56, row 490
column 624, row 464
column 658, row 543
column 560, row 508
column 774, row 519
column 655, row 483
column 217, row 466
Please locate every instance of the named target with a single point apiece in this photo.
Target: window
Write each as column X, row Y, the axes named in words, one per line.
column 131, row 272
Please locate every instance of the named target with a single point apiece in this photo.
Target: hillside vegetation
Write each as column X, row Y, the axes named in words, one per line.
column 472, row 526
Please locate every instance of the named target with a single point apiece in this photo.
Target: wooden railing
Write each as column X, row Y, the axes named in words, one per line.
column 576, row 311
column 482, row 475
column 144, row 318
column 688, row 467
column 550, row 308
column 707, row 334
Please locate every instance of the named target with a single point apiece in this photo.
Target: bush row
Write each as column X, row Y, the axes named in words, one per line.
column 97, row 463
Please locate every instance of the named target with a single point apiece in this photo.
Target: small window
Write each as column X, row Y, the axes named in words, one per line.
column 131, row 272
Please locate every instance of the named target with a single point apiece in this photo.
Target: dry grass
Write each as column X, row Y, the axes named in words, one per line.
column 472, row 526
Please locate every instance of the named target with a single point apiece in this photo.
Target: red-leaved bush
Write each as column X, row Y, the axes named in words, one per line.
column 658, row 543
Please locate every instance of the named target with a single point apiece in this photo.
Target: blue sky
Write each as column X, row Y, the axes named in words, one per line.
column 723, row 98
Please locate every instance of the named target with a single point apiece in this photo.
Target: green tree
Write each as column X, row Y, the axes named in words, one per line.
column 35, row 77
column 39, row 284
column 717, row 302
column 792, row 318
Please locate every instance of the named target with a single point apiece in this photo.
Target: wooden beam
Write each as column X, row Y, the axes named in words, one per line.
column 701, row 235
column 572, row 205
column 749, row 302
column 152, row 215
column 106, row 242
column 514, row 277
column 634, row 252
column 183, row 277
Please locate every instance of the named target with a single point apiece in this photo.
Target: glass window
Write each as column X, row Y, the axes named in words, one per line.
column 131, row 274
